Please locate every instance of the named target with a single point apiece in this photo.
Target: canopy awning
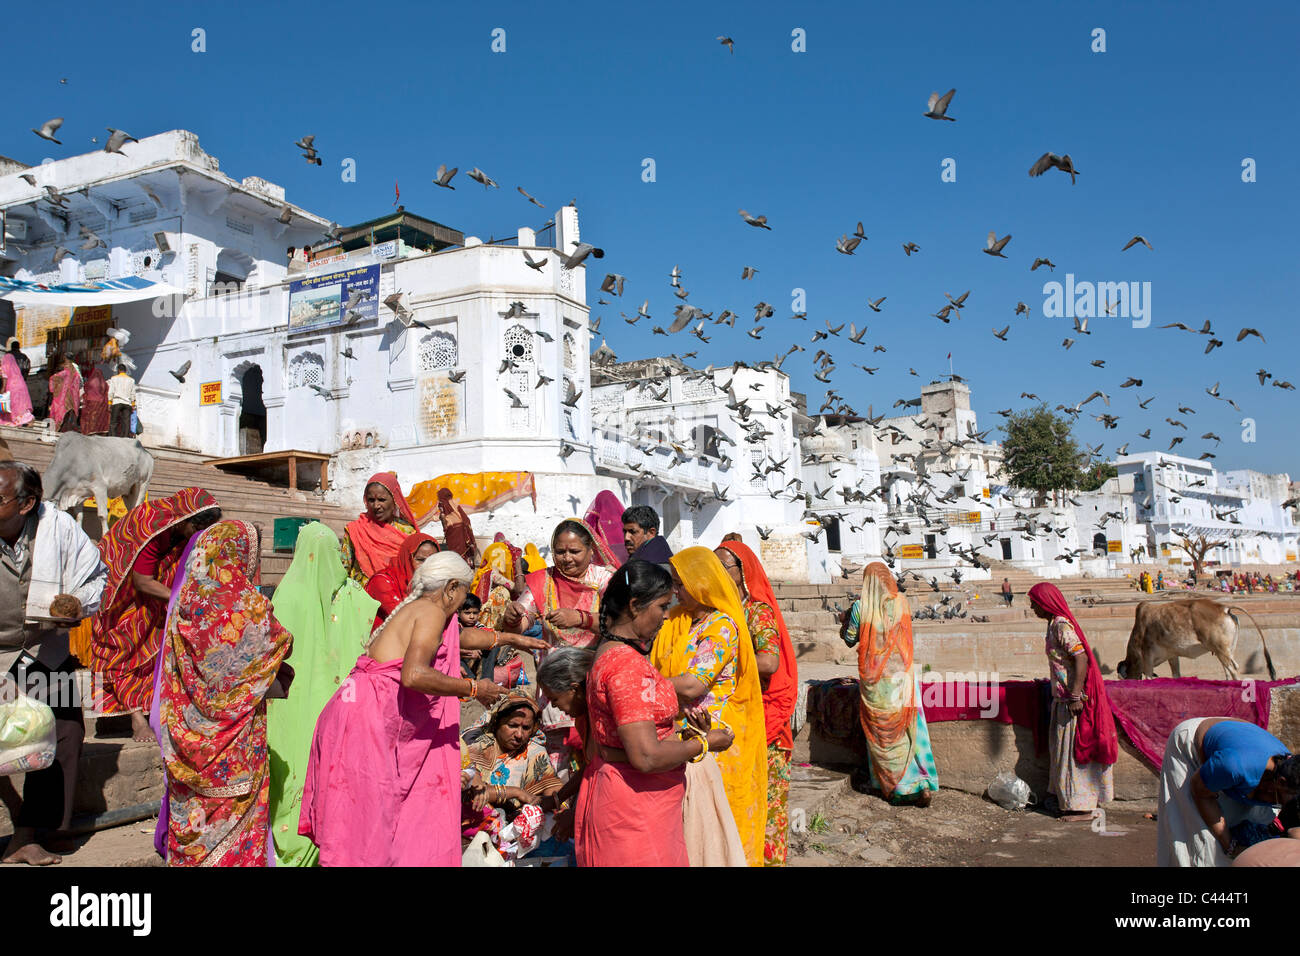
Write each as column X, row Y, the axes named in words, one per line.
column 73, row 294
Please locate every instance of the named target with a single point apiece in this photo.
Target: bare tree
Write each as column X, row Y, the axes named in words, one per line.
column 1197, row 549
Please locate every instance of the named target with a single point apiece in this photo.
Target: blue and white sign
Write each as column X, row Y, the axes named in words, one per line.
column 335, row 298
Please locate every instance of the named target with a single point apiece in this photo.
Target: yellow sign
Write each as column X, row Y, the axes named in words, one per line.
column 986, row 493
column 210, row 393
column 1164, row 549
column 1175, row 560
column 910, row 551
column 33, row 322
column 1114, row 547
column 1290, row 555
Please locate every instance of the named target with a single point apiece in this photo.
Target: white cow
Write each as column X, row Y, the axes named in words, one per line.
column 93, row 465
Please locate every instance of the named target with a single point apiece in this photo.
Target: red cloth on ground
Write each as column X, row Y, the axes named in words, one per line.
column 1149, row 710
column 1018, row 702
column 1095, row 737
column 783, row 689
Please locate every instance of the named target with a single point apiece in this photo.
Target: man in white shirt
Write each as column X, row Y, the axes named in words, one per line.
column 121, row 399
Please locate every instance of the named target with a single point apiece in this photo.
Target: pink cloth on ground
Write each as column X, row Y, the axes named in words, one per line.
column 1149, row 710
column 383, row 779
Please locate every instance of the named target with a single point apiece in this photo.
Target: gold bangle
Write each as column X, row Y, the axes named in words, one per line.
column 704, row 749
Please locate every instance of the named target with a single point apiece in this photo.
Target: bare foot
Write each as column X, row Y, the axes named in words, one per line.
column 140, row 729
column 25, row 849
column 1075, row 816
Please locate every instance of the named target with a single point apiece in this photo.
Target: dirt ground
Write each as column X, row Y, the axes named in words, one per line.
column 961, row 829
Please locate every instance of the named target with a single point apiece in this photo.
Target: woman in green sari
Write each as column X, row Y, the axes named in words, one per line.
column 329, row 616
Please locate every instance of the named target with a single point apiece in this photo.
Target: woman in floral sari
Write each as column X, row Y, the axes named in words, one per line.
column 329, row 616
column 224, row 652
column 900, row 762
column 705, row 650
column 371, row 542
column 65, row 395
column 142, row 551
column 94, row 401
column 780, row 679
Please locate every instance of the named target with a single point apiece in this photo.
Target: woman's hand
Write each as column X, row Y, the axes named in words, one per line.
column 562, row 829
column 524, row 643
column 489, row 692
column 564, row 617
column 478, row 788
column 720, row 738
column 512, row 614
column 699, row 718
column 1076, row 708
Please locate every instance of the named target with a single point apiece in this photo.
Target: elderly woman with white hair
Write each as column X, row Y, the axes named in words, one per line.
column 383, row 782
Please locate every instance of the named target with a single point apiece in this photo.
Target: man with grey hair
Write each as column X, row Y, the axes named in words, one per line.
column 51, row 577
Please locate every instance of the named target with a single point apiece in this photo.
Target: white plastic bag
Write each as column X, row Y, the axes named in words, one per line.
column 481, row 852
column 1010, row 792
column 27, row 733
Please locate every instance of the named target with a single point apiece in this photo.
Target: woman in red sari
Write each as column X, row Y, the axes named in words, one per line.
column 142, row 551
column 391, row 585
column 630, row 807
column 456, row 528
column 224, row 651
column 94, row 401
column 780, row 679
column 371, row 542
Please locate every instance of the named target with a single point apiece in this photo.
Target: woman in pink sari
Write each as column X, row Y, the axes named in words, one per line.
column 383, row 784
column 20, row 401
column 65, row 395
column 605, row 517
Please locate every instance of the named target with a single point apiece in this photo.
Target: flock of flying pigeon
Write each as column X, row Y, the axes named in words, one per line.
column 703, row 325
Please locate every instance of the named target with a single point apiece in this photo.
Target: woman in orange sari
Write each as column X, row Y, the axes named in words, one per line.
column 900, row 761
column 705, row 650
column 780, row 679
column 142, row 551
column 224, row 652
column 371, row 542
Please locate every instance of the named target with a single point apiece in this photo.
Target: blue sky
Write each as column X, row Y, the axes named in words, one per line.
column 1158, row 125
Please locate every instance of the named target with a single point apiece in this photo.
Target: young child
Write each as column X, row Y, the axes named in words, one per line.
column 468, row 616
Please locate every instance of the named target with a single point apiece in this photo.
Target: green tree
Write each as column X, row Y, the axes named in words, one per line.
column 1039, row 453
column 1094, row 477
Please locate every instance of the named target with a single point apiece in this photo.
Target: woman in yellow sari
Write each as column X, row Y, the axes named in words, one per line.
column 705, row 649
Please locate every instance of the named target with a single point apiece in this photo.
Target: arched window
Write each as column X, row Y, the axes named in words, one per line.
column 437, row 351
column 519, row 344
column 570, row 352
column 306, row 369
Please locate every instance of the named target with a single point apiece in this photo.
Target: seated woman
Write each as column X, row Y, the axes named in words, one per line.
column 143, row 553
column 516, row 768
column 390, row 585
column 383, row 785
column 1220, row 776
column 372, row 541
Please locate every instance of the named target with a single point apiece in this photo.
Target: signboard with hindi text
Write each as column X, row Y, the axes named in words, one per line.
column 335, row 298
column 1114, row 547
column 210, row 393
column 910, row 551
column 33, row 323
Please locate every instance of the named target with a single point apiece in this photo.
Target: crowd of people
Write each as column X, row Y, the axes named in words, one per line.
column 614, row 703
column 73, row 394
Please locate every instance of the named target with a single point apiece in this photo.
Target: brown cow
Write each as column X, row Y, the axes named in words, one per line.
column 1186, row 628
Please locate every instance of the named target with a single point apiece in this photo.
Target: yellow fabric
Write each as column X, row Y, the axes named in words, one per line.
column 495, row 558
column 481, row 491
column 744, row 764
column 116, row 506
column 533, row 558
